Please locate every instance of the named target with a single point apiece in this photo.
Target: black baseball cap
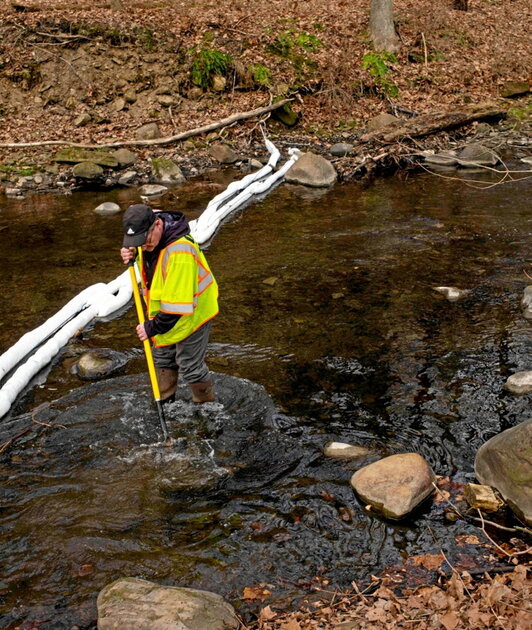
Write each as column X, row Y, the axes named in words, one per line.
column 137, row 220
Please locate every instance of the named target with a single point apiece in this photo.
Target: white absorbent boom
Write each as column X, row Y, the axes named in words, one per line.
column 101, row 300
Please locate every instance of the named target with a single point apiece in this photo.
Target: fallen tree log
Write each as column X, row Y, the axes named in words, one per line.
column 433, row 123
column 156, row 141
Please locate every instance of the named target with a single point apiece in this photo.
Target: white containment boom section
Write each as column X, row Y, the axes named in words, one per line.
column 101, row 300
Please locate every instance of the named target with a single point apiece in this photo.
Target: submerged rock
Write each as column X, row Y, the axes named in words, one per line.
column 452, row 293
column 519, row 383
column 106, row 208
column 141, row 605
column 505, row 463
column 395, row 485
column 312, row 170
column 97, row 364
column 153, row 190
column 344, row 451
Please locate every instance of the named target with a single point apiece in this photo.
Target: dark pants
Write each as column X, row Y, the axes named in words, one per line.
column 188, row 356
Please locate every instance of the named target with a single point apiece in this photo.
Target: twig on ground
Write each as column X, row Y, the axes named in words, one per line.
column 515, row 528
column 225, row 122
column 8, row 443
column 425, row 53
column 45, row 424
column 506, row 553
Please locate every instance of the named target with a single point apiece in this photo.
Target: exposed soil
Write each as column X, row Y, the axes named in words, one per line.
column 61, row 59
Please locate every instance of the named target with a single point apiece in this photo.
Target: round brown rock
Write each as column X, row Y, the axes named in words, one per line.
column 395, row 485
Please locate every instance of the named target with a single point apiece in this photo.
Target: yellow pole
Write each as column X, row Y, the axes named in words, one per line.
column 147, row 350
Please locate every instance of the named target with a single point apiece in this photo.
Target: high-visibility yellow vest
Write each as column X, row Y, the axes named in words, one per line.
column 182, row 284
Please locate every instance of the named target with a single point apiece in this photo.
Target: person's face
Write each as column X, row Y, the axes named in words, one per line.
column 154, row 236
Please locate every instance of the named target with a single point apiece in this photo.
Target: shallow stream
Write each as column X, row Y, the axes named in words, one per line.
column 346, row 341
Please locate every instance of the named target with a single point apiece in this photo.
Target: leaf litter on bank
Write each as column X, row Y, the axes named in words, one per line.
column 457, row 602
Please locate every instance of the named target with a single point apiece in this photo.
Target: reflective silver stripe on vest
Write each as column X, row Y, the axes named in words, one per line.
column 187, row 248
column 178, row 308
column 204, row 283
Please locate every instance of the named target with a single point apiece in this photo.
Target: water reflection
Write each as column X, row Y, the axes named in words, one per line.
column 351, row 342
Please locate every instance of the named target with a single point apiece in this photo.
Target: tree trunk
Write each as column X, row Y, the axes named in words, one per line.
column 460, row 5
column 381, row 26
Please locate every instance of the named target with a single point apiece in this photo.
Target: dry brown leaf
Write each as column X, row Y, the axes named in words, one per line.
column 439, row 599
column 449, row 621
column 267, row 613
column 497, row 592
column 429, row 561
column 468, row 540
column 255, row 592
column 441, row 496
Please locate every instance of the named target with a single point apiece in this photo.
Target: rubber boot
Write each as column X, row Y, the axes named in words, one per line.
column 202, row 392
column 167, row 379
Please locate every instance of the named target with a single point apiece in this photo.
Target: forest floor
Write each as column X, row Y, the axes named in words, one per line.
column 183, row 65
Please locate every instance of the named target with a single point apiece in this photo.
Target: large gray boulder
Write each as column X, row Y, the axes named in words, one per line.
column 312, row 170
column 395, row 485
column 165, row 171
column 134, row 604
column 505, row 463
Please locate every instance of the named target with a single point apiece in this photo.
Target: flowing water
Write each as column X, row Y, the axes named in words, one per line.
column 330, row 329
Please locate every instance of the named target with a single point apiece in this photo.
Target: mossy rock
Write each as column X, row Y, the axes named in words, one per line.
column 286, row 115
column 87, row 170
column 73, row 155
column 514, row 89
column 166, row 172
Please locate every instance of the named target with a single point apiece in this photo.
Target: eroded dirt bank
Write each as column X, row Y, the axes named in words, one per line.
column 87, row 74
